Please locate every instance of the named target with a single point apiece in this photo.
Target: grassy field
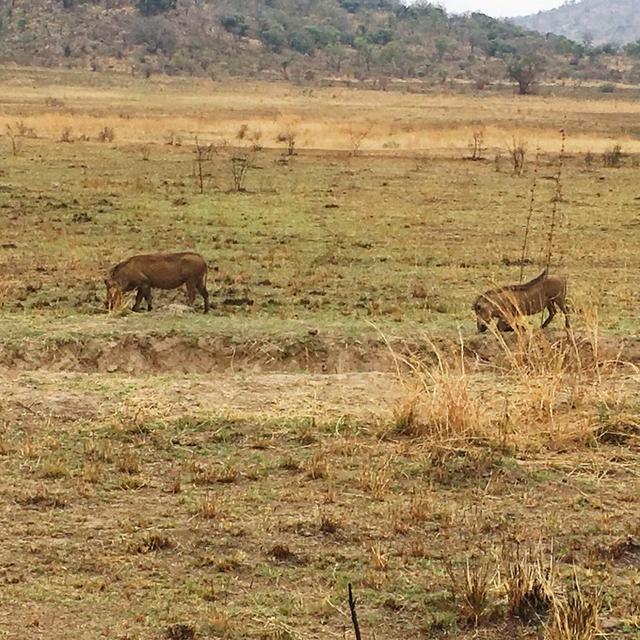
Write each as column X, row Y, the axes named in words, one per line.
column 175, row 475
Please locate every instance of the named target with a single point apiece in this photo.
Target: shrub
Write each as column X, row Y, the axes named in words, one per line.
column 612, row 158
column 107, row 134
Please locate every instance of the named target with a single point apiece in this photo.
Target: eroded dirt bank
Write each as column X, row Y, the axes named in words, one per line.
column 136, row 353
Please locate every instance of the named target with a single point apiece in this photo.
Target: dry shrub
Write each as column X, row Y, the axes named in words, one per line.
column 152, row 541
column 379, row 560
column 66, row 135
column 357, row 135
column 239, row 167
column 518, row 156
column 477, row 145
column 416, row 511
column 133, row 419
column 128, row 462
column 316, row 467
column 528, row 584
column 209, row 508
column 204, row 474
column 288, row 137
column 441, row 405
column 574, row 616
column 553, row 384
column 474, row 590
column 612, row 158
column 376, row 479
column 106, row 134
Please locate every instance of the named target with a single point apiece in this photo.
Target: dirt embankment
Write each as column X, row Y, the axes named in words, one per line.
column 135, row 354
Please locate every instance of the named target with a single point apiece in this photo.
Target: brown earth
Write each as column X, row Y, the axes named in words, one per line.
column 137, row 354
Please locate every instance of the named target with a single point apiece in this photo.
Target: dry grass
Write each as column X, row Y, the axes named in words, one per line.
column 149, row 111
column 529, row 584
column 574, row 616
column 473, row 590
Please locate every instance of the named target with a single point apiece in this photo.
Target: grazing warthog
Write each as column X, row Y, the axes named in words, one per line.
column 506, row 304
column 159, row 270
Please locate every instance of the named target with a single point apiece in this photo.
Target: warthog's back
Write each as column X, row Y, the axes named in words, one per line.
column 163, row 270
column 529, row 298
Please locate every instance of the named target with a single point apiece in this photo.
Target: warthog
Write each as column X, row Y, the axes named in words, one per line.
column 506, row 304
column 160, row 270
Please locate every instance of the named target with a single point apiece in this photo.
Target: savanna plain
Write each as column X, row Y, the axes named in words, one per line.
column 335, row 418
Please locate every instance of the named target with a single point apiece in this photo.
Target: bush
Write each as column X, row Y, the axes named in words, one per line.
column 106, row 134
column 153, row 7
column 612, row 158
column 234, row 24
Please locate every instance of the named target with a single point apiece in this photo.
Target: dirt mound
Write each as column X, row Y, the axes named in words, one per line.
column 133, row 353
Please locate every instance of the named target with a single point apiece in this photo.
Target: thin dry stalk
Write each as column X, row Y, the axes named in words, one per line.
column 527, row 227
column 556, row 199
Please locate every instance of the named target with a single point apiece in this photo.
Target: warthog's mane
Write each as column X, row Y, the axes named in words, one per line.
column 115, row 269
column 527, row 285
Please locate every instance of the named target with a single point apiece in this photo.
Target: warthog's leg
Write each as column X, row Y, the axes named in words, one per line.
column 146, row 292
column 205, row 295
column 139, row 296
column 551, row 308
column 191, row 292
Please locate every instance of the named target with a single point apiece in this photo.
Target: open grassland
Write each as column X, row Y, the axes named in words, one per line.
column 335, row 418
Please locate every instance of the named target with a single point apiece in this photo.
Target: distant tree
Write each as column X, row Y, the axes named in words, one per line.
column 352, row 6
column 273, row 35
column 302, row 42
column 153, row 7
column 526, row 72
column 234, row 24
column 156, row 34
column 365, row 52
column 633, row 49
column 381, row 36
column 323, row 35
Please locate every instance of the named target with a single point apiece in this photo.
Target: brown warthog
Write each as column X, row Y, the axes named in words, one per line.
column 160, row 270
column 506, row 304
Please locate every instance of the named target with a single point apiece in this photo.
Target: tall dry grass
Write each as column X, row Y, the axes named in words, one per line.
column 538, row 389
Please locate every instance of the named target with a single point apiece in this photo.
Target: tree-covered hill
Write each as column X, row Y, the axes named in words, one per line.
column 291, row 39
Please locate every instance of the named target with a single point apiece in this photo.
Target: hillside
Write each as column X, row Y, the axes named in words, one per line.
column 298, row 40
column 591, row 21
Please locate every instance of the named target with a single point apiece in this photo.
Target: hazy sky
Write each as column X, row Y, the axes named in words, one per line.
column 499, row 8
